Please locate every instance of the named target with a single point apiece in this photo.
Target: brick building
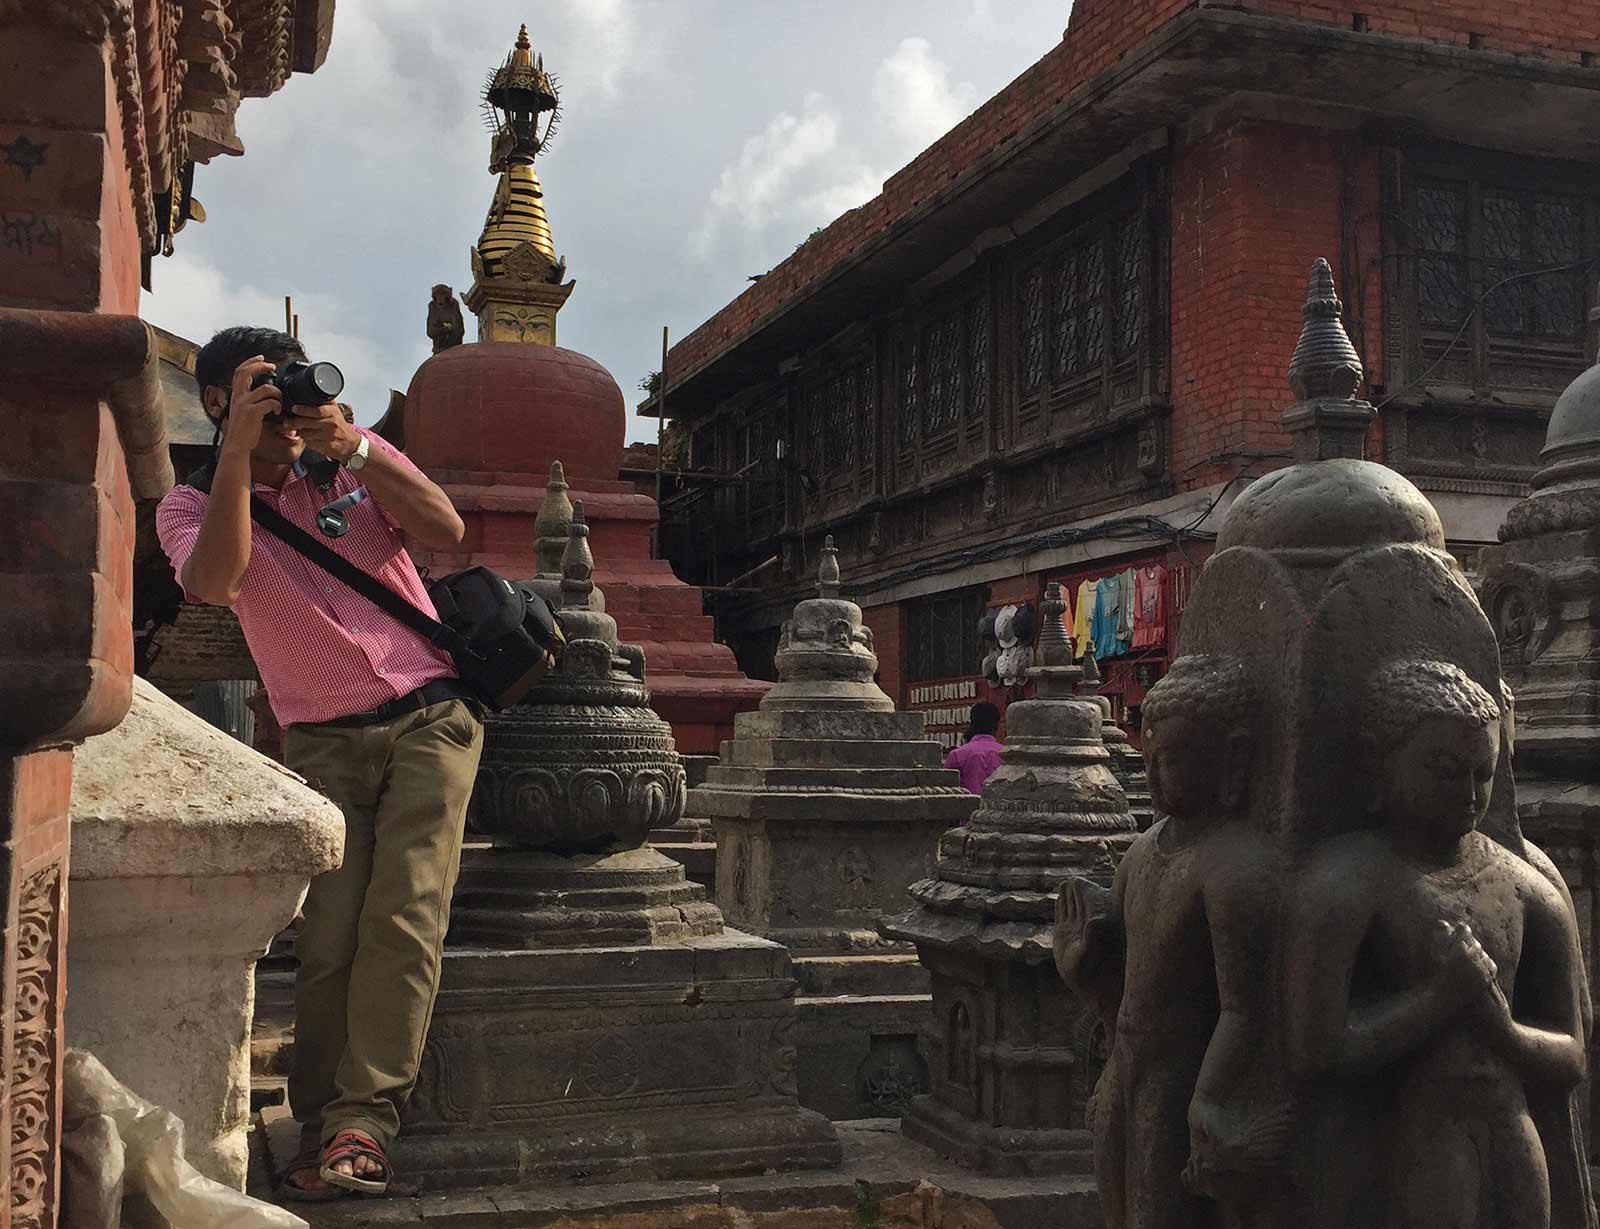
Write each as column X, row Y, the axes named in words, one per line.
column 1052, row 348
column 106, row 106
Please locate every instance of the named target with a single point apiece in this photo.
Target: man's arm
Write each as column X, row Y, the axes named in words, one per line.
column 215, row 567
column 412, row 500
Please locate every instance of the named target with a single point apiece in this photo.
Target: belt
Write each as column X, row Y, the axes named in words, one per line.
column 435, row 692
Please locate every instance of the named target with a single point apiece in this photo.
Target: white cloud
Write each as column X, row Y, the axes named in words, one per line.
column 760, row 185
column 915, row 98
column 799, row 172
column 194, row 299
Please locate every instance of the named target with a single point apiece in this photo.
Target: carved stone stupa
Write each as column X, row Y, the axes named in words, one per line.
column 1337, row 979
column 827, row 805
column 594, row 1015
column 1014, row 1058
column 1541, row 587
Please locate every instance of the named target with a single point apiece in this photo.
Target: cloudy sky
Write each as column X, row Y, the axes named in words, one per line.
column 701, row 140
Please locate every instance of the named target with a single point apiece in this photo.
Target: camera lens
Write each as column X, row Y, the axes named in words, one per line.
column 326, row 379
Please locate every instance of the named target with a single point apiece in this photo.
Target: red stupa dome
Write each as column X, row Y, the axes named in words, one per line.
column 507, row 407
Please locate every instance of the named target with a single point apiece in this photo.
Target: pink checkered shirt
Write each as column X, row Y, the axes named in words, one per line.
column 323, row 650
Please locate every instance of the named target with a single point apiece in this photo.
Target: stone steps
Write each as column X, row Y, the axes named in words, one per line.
column 756, row 779
column 829, row 752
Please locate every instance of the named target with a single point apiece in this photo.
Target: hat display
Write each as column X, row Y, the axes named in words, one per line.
column 991, row 667
column 1002, row 627
column 986, row 627
column 1024, row 624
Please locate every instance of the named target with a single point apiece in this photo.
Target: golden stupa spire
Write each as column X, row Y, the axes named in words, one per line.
column 517, row 284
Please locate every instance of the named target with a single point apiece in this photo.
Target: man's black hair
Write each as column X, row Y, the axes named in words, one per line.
column 217, row 360
column 985, row 718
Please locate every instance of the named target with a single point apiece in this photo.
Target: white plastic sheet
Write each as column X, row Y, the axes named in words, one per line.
column 96, row 1109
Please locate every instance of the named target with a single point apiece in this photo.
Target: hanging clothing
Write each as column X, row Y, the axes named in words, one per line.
column 1083, row 619
column 1125, row 596
column 1107, row 615
column 1149, row 606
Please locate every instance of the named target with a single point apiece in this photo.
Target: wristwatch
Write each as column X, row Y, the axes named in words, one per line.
column 358, row 458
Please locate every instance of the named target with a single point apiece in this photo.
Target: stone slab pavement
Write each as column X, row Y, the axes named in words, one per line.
column 885, row 1182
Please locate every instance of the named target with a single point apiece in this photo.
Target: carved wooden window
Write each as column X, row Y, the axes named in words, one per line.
column 838, row 409
column 976, row 403
column 910, row 415
column 1084, row 313
column 1495, row 263
column 946, row 376
column 866, row 398
column 942, row 635
column 1033, row 329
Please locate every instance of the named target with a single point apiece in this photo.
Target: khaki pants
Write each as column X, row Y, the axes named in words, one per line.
column 373, row 934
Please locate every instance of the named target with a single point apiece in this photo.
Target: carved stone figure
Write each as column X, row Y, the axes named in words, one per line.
column 445, row 326
column 1407, row 947
column 1157, row 983
column 1399, row 1006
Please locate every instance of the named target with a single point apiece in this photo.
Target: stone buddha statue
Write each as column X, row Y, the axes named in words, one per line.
column 1347, row 991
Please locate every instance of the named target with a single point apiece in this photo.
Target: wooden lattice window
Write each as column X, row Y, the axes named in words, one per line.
column 1083, row 308
column 1495, row 264
column 945, row 373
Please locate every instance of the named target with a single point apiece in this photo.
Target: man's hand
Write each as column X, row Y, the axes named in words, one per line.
column 323, row 427
column 249, row 407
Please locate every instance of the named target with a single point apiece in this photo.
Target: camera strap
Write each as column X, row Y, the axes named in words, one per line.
column 364, row 583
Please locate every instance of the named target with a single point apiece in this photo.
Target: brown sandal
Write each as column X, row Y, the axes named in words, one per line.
column 307, row 1162
column 353, row 1146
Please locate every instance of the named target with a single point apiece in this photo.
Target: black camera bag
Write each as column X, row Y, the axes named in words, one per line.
column 500, row 633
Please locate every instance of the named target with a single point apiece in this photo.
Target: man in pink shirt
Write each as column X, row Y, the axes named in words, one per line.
column 978, row 757
column 373, row 717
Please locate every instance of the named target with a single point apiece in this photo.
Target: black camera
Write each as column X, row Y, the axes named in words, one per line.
column 302, row 383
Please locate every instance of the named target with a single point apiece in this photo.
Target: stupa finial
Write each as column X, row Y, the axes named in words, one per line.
column 828, row 570
column 1328, row 420
column 553, row 524
column 1325, row 364
column 1055, row 643
column 519, row 283
column 577, row 564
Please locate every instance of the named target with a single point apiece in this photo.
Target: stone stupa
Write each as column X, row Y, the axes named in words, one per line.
column 1014, row 1055
column 595, row 1016
column 827, row 805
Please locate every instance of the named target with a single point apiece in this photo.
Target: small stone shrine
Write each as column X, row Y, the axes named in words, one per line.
column 1341, row 988
column 1014, row 1058
column 827, row 805
column 1541, row 587
column 594, row 1017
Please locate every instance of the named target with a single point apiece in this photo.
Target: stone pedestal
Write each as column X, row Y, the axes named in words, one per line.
column 190, row 851
column 1014, row 1057
column 595, row 1017
column 827, row 805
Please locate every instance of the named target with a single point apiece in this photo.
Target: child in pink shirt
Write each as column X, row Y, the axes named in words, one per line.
column 977, row 757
